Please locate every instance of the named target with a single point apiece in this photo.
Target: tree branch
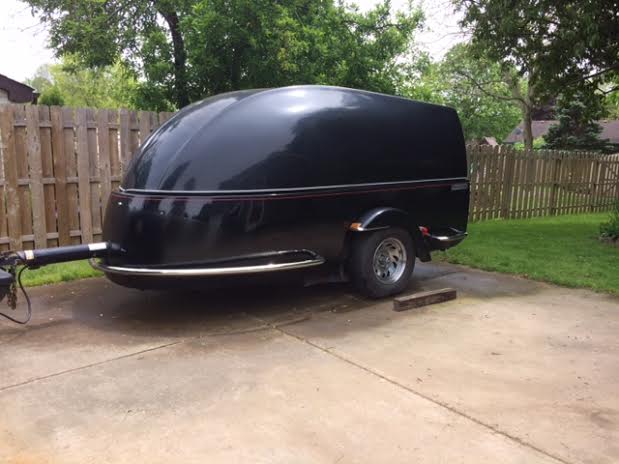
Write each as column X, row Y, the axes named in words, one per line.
column 485, row 91
column 609, row 91
column 596, row 74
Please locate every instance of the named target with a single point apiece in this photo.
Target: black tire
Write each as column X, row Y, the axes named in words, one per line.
column 361, row 263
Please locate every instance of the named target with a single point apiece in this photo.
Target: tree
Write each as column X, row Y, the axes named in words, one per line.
column 484, row 110
column 188, row 49
column 102, row 32
column 610, row 90
column 42, row 78
column 552, row 45
column 69, row 83
column 249, row 43
column 577, row 128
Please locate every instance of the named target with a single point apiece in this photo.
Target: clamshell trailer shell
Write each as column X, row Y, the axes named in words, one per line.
column 270, row 180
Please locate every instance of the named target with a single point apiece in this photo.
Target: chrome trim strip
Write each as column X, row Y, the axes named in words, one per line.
column 209, row 271
column 289, row 189
column 450, row 238
column 368, row 229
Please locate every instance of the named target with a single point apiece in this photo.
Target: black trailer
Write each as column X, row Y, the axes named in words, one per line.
column 271, row 180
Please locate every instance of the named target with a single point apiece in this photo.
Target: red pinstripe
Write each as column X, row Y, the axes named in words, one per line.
column 273, row 196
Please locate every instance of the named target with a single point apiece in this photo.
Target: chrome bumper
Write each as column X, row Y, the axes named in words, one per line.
column 206, row 271
column 444, row 241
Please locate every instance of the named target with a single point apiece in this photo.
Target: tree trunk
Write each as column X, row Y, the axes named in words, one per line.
column 181, row 93
column 525, row 102
column 527, row 126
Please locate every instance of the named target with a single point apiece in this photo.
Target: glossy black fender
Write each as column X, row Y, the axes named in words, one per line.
column 385, row 217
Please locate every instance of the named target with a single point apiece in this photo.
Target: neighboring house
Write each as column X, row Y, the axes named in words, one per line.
column 12, row 91
column 610, row 130
column 491, row 141
column 485, row 141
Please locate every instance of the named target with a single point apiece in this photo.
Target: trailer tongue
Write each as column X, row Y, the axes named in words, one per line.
column 13, row 263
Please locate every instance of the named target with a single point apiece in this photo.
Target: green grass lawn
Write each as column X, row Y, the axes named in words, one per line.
column 55, row 273
column 564, row 250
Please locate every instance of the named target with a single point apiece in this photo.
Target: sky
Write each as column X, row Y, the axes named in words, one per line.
column 24, row 40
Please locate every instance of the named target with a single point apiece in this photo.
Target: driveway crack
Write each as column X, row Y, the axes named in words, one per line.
column 87, row 366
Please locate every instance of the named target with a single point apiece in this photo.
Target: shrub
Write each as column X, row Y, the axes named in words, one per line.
column 538, row 144
column 51, row 96
column 610, row 228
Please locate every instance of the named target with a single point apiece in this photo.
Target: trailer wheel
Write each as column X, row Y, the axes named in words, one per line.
column 382, row 262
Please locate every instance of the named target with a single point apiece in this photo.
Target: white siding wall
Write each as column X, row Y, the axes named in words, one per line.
column 4, row 97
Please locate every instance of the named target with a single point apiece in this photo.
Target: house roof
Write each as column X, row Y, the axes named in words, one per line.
column 16, row 91
column 610, row 130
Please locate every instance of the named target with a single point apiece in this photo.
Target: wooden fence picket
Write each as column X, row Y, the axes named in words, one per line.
column 11, row 179
column 35, row 168
column 83, row 175
column 70, row 146
column 508, row 182
column 60, row 175
column 105, row 173
column 125, row 149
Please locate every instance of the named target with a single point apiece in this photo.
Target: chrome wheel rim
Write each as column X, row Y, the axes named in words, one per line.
column 389, row 260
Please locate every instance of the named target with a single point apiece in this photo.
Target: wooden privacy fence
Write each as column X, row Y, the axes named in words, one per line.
column 506, row 183
column 59, row 165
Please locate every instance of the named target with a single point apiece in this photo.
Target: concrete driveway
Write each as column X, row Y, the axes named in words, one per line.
column 513, row 371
